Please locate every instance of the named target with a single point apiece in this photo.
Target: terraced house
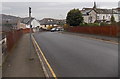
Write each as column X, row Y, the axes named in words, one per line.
column 92, row 15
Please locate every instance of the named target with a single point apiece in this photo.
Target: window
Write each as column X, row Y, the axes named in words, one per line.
column 109, row 17
column 90, row 19
column 103, row 17
column 97, row 17
column 106, row 15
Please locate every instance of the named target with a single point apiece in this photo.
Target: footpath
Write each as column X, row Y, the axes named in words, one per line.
column 19, row 62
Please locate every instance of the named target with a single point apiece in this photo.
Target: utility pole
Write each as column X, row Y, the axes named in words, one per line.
column 30, row 52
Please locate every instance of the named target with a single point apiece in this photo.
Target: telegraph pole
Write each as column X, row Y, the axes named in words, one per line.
column 30, row 35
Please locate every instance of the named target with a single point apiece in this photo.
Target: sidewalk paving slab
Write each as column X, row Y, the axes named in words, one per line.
column 18, row 63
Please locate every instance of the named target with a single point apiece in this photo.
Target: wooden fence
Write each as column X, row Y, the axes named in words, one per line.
column 98, row 30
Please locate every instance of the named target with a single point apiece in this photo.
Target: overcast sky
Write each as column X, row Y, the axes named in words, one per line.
column 57, row 10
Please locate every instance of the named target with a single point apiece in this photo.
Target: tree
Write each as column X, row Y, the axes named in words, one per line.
column 113, row 20
column 74, row 17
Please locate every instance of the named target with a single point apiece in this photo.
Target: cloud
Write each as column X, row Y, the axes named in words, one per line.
column 5, row 8
column 59, row 0
column 48, row 9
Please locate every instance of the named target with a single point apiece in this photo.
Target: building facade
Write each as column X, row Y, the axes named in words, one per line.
column 45, row 23
column 92, row 15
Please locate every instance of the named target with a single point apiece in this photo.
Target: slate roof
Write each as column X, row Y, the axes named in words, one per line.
column 86, row 11
column 26, row 20
column 8, row 19
column 50, row 21
column 105, row 11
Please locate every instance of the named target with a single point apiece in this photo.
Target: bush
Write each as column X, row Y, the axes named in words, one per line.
column 93, row 24
column 113, row 20
column 66, row 26
column 90, row 24
column 104, row 24
column 118, row 23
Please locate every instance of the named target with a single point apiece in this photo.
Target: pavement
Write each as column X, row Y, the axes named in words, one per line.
column 21, row 63
column 74, row 56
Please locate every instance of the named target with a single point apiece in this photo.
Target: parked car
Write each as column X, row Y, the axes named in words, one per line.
column 57, row 29
column 61, row 29
column 53, row 29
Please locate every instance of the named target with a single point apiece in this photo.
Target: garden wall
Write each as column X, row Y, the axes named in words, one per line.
column 98, row 30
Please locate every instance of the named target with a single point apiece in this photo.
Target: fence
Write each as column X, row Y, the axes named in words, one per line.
column 98, row 30
column 27, row 30
column 13, row 36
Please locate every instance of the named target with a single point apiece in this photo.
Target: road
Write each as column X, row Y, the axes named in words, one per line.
column 0, row 61
column 75, row 56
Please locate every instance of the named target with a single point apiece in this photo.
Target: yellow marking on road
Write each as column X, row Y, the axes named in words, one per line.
column 54, row 75
column 44, row 69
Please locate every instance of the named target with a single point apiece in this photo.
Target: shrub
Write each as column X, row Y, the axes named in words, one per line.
column 118, row 23
column 90, row 24
column 104, row 24
column 65, row 26
column 113, row 20
column 93, row 24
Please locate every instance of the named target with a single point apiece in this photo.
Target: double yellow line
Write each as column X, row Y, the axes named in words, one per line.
column 50, row 68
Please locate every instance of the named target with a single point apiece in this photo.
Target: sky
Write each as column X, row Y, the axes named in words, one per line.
column 50, row 9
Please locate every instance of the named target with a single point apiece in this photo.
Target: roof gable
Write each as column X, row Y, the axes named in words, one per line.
column 26, row 20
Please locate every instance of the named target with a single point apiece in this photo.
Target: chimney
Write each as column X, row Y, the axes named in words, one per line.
column 94, row 5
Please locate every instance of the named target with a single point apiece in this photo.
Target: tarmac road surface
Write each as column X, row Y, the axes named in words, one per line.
column 74, row 56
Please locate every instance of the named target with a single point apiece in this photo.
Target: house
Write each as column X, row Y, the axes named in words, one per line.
column 46, row 22
column 8, row 22
column 118, row 10
column 34, row 22
column 92, row 15
column 20, row 25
